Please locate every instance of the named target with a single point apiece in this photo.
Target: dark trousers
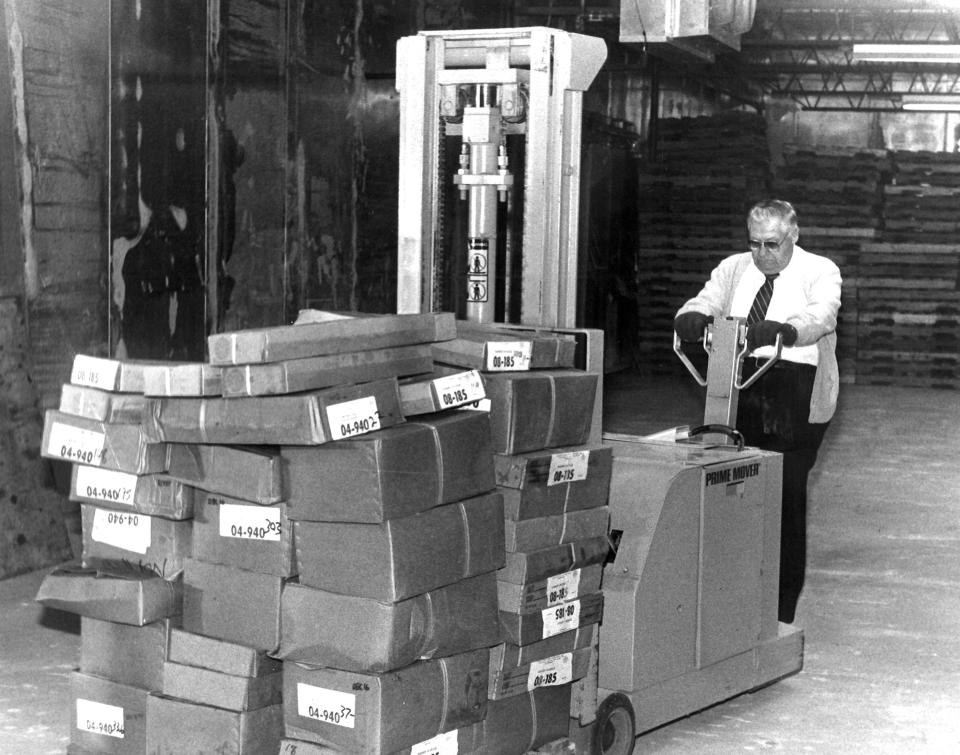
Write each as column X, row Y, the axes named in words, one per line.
column 773, row 415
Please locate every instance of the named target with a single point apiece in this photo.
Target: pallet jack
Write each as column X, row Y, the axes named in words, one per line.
column 690, row 596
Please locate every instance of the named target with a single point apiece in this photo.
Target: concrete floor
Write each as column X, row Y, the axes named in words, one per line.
column 881, row 609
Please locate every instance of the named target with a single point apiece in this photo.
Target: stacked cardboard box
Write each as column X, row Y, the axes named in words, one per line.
column 554, row 487
column 136, row 532
column 153, row 442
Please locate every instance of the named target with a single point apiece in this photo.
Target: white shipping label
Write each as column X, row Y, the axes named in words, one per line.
column 550, row 672
column 94, row 372
column 99, row 718
column 328, row 705
column 563, row 587
column 249, row 522
column 353, row 417
column 568, row 467
column 483, row 405
column 442, row 744
column 461, row 388
column 561, row 618
column 129, row 532
column 105, row 485
column 508, row 356
column 76, row 444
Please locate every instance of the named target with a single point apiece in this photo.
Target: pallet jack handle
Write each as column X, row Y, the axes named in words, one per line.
column 741, row 351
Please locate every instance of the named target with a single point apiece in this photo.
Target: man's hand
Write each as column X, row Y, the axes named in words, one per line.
column 764, row 333
column 690, row 325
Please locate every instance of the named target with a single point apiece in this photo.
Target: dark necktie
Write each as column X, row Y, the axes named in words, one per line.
column 758, row 310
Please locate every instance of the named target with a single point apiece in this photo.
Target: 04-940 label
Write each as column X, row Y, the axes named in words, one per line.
column 327, row 705
column 351, row 418
column 561, row 618
column 129, row 532
column 568, row 467
column 249, row 522
column 106, row 485
column 442, row 744
column 550, row 672
column 76, row 444
column 99, row 718
column 507, row 356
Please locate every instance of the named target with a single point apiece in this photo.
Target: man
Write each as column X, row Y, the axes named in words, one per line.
column 780, row 289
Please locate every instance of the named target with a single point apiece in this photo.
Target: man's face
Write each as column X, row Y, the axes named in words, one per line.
column 771, row 244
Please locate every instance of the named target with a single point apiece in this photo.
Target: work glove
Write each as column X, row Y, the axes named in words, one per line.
column 764, row 333
column 690, row 325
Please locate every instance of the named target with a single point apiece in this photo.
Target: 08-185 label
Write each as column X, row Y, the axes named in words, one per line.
column 563, row 587
column 560, row 618
column 461, row 388
column 329, row 706
column 507, row 356
column 550, row 672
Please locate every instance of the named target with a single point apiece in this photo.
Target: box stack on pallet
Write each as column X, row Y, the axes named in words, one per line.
column 909, row 305
column 554, row 486
column 337, row 588
column 693, row 203
column 838, row 195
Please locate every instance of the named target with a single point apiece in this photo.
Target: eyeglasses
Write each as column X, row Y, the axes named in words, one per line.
column 770, row 246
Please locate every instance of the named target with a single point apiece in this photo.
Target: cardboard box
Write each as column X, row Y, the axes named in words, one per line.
column 122, row 594
column 101, row 444
column 543, row 409
column 403, row 557
column 208, row 687
column 392, row 473
column 126, row 654
column 521, row 723
column 298, row 419
column 247, row 535
column 554, row 481
column 225, row 657
column 492, row 348
column 107, row 717
column 189, row 379
column 102, row 406
column 151, row 542
column 317, row 333
column 232, row 604
column 522, row 568
column 439, row 392
column 364, row 635
column 382, row 713
column 543, row 593
column 153, row 494
column 560, row 659
column 300, row 747
column 312, row 373
column 251, row 474
column 175, row 727
column 536, row 534
column 524, row 628
column 121, row 375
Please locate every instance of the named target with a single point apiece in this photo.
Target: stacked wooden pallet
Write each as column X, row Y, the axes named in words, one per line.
column 923, row 199
column 838, row 194
column 693, row 201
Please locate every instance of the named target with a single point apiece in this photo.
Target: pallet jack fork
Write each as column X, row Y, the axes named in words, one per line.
column 690, row 599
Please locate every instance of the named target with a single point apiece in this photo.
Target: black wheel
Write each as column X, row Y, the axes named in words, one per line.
column 614, row 730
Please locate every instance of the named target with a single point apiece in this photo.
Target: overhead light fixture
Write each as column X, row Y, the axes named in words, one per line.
column 931, row 103
column 906, row 53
